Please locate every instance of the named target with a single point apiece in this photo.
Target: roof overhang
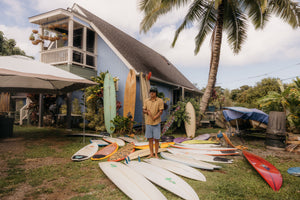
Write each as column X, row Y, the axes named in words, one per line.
column 50, row 17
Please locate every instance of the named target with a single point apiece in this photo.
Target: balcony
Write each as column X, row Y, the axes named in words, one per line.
column 58, row 56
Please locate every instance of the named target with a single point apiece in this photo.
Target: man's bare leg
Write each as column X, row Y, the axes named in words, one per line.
column 156, row 147
column 150, row 147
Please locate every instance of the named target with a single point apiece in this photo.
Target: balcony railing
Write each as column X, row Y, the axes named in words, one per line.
column 54, row 56
column 60, row 56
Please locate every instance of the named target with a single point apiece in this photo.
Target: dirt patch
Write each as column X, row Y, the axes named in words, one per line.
column 33, row 163
column 12, row 144
column 19, row 193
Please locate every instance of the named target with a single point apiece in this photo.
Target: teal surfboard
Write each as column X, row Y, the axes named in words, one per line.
column 109, row 102
column 295, row 171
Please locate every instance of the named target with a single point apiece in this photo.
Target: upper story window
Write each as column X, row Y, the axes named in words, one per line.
column 90, row 41
column 77, row 38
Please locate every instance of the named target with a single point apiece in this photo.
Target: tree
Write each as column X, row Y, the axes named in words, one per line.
column 286, row 100
column 216, row 16
column 8, row 47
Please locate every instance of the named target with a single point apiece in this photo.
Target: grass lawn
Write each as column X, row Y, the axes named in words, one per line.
column 36, row 164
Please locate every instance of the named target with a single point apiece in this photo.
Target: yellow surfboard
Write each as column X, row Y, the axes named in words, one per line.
column 130, row 95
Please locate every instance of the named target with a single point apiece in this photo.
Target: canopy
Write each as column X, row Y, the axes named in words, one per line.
column 22, row 74
column 245, row 113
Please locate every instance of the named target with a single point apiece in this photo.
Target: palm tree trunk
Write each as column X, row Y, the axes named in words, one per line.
column 215, row 58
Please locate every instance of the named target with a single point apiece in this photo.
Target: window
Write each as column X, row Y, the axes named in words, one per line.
column 90, row 41
column 90, row 60
column 77, row 57
column 77, row 38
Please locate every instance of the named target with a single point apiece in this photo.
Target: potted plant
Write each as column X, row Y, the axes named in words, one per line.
column 31, row 37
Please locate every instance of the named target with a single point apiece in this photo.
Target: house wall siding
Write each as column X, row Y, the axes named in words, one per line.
column 108, row 60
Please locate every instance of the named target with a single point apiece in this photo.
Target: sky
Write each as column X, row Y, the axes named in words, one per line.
column 271, row 52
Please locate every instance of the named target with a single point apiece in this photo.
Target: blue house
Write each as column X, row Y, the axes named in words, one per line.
column 88, row 45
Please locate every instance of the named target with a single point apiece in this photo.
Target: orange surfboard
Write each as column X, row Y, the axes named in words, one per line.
column 130, row 94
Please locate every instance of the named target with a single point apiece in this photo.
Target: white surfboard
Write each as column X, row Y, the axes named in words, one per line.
column 134, row 185
column 199, row 145
column 198, row 156
column 210, row 153
column 128, row 139
column 177, row 168
column 142, row 153
column 116, row 140
column 189, row 161
column 85, row 152
column 100, row 143
column 165, row 179
column 141, row 143
column 190, row 127
column 193, row 147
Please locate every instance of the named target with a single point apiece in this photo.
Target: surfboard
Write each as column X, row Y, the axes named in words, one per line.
column 134, row 185
column 190, row 127
column 267, row 171
column 142, row 153
column 116, row 140
column 295, row 171
column 130, row 94
column 122, row 153
column 144, row 89
column 109, row 95
column 128, row 139
column 169, row 121
column 161, row 145
column 205, row 136
column 85, row 152
column 105, row 152
column 199, row 142
column 194, row 147
column 100, row 143
column 198, row 156
column 210, row 153
column 165, row 179
column 103, row 134
column 189, row 161
column 181, row 139
column 200, row 145
column 177, row 168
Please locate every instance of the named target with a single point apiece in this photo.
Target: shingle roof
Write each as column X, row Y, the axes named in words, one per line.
column 142, row 58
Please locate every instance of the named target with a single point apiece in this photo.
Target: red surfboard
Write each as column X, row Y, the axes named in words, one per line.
column 270, row 173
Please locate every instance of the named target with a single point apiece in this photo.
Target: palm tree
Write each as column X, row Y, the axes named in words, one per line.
column 216, row 16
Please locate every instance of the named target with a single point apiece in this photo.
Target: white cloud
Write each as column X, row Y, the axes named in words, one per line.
column 21, row 36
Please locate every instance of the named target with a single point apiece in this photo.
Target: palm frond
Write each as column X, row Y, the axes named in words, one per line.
column 155, row 8
column 287, row 10
column 235, row 24
column 195, row 12
column 151, row 16
column 207, row 24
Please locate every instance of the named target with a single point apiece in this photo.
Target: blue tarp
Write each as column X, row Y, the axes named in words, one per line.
column 245, row 113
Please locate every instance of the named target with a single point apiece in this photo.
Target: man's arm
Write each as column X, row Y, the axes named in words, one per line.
column 158, row 114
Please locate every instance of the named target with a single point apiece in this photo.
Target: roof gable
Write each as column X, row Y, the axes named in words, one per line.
column 139, row 56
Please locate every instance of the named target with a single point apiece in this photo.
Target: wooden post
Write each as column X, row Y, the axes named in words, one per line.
column 69, row 110
column 41, row 109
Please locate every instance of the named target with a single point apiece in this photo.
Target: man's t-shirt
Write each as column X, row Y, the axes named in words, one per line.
column 154, row 106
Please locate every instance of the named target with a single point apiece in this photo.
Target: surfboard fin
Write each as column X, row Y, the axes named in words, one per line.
column 139, row 158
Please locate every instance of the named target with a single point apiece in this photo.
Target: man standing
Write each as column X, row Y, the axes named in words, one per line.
column 153, row 108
